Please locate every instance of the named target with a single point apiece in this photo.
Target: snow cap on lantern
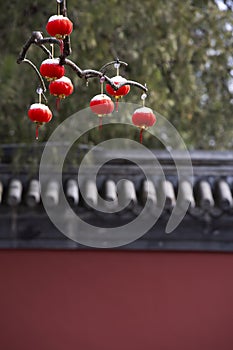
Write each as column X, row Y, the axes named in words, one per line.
column 39, row 114
column 122, row 91
column 143, row 118
column 101, row 105
column 59, row 26
column 51, row 69
column 61, row 87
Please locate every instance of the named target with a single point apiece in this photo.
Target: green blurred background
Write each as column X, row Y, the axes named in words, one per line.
column 183, row 50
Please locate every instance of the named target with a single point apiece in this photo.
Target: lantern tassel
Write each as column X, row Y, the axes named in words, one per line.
column 61, row 46
column 58, row 103
column 37, row 131
column 117, row 105
column 100, row 123
column 141, row 135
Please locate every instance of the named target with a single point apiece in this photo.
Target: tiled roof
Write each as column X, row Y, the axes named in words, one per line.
column 212, row 196
column 206, row 226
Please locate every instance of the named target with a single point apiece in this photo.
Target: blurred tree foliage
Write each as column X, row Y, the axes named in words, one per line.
column 181, row 49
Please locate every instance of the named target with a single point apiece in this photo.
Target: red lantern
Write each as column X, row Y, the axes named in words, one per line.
column 101, row 105
column 51, row 69
column 39, row 114
column 143, row 118
column 122, row 91
column 61, row 88
column 59, row 26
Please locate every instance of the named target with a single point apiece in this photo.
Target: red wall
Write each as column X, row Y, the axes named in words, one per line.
column 105, row 300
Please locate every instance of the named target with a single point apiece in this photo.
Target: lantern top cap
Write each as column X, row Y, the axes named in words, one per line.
column 39, row 106
column 51, row 61
column 101, row 97
column 63, row 79
column 118, row 79
column 57, row 17
column 144, row 110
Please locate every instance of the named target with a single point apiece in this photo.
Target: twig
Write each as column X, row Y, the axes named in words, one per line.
column 37, row 72
column 103, row 69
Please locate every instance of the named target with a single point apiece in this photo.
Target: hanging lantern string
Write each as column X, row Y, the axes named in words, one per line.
column 117, row 66
column 58, row 7
column 52, row 50
column 143, row 98
column 102, row 80
column 39, row 94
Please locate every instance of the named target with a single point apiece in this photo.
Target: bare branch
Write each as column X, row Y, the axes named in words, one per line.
column 75, row 68
column 133, row 83
column 38, row 40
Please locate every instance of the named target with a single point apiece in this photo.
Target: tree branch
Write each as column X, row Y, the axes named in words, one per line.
column 38, row 40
